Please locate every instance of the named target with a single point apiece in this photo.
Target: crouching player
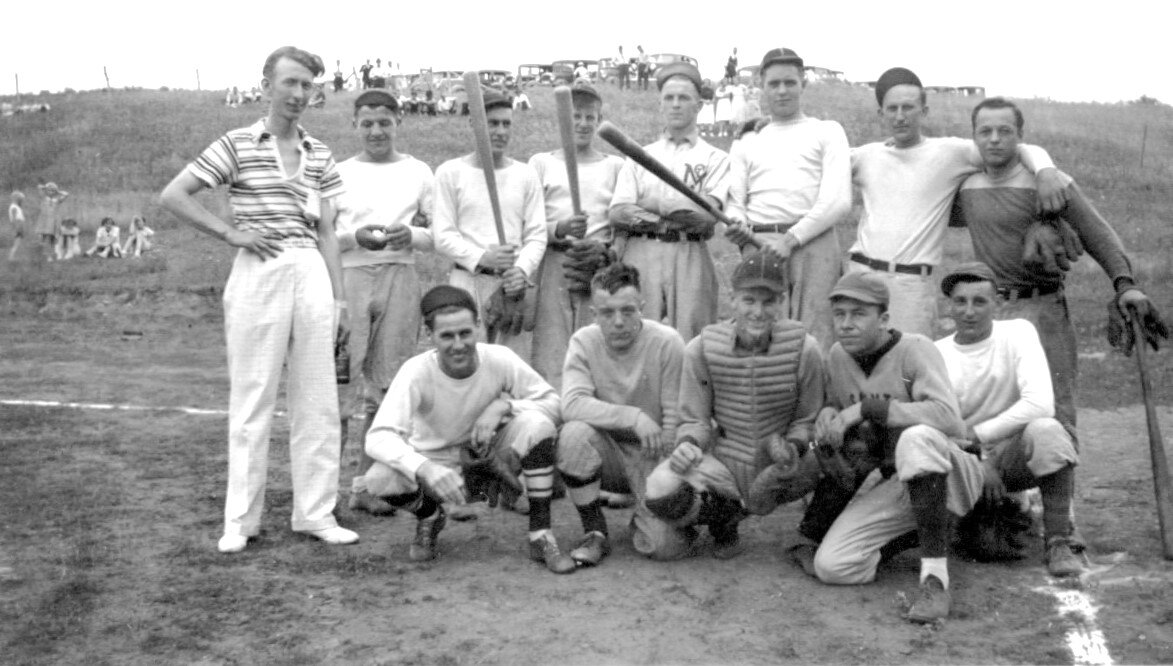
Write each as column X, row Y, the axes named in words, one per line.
column 897, row 383
column 748, row 387
column 463, row 394
column 619, row 388
column 999, row 373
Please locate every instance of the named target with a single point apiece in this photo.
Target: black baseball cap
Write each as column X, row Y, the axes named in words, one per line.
column 761, row 269
column 376, row 98
column 973, row 271
column 782, row 56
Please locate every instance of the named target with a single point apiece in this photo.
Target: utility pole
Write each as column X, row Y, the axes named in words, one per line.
column 198, row 78
column 107, row 77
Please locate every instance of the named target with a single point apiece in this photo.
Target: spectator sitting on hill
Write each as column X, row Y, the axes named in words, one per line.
column 138, row 237
column 69, row 242
column 106, row 242
column 521, row 101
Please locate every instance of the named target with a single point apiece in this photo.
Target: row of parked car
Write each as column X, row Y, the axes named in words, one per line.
column 604, row 70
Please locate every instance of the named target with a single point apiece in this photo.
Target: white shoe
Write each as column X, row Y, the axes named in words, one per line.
column 337, row 536
column 232, row 543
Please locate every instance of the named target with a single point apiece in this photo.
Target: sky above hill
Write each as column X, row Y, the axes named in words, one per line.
column 1070, row 51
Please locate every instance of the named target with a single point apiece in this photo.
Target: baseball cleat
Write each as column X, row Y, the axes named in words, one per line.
column 1061, row 561
column 726, row 542
column 591, row 550
column 933, row 603
column 545, row 549
column 423, row 547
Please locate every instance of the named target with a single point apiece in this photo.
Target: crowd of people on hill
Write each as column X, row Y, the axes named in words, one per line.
column 59, row 239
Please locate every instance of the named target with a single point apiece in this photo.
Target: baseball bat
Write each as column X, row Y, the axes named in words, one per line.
column 564, row 102
column 480, row 130
column 615, row 136
column 1161, row 482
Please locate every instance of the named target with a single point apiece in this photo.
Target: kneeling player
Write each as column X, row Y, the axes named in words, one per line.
column 749, row 394
column 999, row 373
column 619, row 388
column 451, row 397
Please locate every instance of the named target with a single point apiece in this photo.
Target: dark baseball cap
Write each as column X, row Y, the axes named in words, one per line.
column 897, row 76
column 495, row 98
column 444, row 295
column 863, row 287
column 761, row 269
column 678, row 68
column 782, row 56
column 584, row 89
column 973, row 271
column 376, row 98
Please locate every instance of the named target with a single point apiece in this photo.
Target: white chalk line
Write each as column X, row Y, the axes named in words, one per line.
column 1084, row 638
column 119, row 408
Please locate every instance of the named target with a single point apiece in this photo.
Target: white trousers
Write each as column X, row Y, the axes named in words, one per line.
column 280, row 312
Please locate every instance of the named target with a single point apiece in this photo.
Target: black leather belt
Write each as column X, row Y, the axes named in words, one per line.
column 671, row 236
column 770, row 228
column 1019, row 293
column 480, row 270
column 891, row 266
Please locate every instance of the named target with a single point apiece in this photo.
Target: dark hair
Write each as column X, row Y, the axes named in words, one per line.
column 970, row 279
column 998, row 103
column 105, row 220
column 300, row 56
column 883, row 307
column 430, row 319
column 615, row 277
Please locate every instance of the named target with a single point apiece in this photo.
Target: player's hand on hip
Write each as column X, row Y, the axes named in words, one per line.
column 651, row 436
column 445, row 484
column 265, row 246
column 371, row 237
column 575, row 226
column 499, row 257
column 1051, row 184
column 685, row 457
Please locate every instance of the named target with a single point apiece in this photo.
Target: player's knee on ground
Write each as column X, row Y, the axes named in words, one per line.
column 657, row 540
column 578, row 458
column 922, row 450
column 840, row 563
column 1049, row 447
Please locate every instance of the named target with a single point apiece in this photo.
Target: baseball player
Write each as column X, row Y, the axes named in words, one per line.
column 464, row 229
column 999, row 374
column 382, row 219
column 620, row 386
column 458, row 400
column 665, row 234
column 898, row 384
column 749, row 393
column 907, row 184
column 283, row 302
column 579, row 244
column 790, row 184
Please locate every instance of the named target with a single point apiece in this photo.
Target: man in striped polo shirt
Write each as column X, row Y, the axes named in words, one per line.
column 282, row 301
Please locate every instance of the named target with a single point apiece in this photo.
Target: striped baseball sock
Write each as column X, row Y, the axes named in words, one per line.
column 537, row 468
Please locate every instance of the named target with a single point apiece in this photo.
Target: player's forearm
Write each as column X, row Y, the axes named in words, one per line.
column 1099, row 238
column 328, row 246
column 811, row 391
column 185, row 207
column 625, row 216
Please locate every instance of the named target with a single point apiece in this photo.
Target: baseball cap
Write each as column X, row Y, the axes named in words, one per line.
column 897, row 76
column 761, row 269
column 863, row 287
column 581, row 87
column 975, row 270
column 495, row 98
column 442, row 296
column 376, row 98
column 782, row 56
column 678, row 68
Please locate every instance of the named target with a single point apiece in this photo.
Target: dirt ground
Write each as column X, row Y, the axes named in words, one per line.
column 111, row 518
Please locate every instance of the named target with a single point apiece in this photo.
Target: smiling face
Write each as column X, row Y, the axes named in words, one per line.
column 902, row 112
column 376, row 127
column 289, row 89
column 587, row 116
column 972, row 306
column 996, row 133
column 455, row 335
column 618, row 315
column 755, row 309
column 860, row 327
column 782, row 88
column 500, row 120
column 679, row 104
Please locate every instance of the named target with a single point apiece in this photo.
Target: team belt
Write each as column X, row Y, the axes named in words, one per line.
column 671, row 236
column 1020, row 293
column 770, row 228
column 924, row 270
column 480, row 270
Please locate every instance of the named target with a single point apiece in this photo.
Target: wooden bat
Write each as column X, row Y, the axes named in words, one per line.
column 480, row 130
column 614, row 136
column 1161, row 481
column 563, row 100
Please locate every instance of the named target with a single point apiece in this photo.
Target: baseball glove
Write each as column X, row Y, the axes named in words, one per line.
column 506, row 314
column 994, row 531
column 583, row 259
column 1051, row 246
column 1120, row 333
column 489, row 476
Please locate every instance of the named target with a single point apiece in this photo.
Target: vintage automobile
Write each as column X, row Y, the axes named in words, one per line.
column 535, row 74
column 564, row 69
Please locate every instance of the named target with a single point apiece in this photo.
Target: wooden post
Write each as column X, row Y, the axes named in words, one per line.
column 1144, row 138
column 107, row 77
column 198, row 78
column 17, row 84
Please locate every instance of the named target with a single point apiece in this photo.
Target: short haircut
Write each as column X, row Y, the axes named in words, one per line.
column 615, row 277
column 998, row 103
column 105, row 220
column 376, row 98
column 882, row 307
column 300, row 56
column 971, row 279
column 430, row 318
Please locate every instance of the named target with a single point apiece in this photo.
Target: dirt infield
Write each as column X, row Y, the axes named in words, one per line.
column 111, row 520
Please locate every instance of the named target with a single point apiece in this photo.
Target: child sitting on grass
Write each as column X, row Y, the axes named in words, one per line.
column 106, row 242
column 69, row 242
column 138, row 237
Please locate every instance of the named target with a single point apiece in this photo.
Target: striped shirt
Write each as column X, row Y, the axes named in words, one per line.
column 264, row 199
